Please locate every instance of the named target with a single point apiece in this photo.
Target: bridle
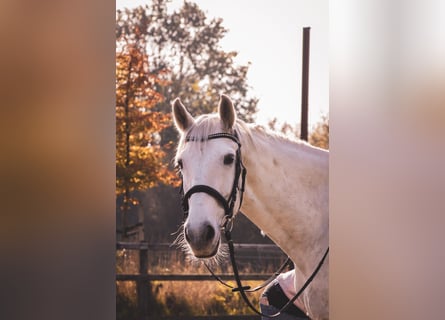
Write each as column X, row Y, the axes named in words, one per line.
column 227, row 204
column 226, row 227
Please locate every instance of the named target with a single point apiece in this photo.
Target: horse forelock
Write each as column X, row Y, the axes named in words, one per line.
column 208, row 124
column 201, row 128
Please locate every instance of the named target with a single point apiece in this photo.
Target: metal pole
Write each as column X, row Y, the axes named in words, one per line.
column 305, row 84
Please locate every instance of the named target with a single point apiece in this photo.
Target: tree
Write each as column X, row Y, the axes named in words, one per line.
column 286, row 129
column 318, row 136
column 139, row 158
column 187, row 43
column 183, row 48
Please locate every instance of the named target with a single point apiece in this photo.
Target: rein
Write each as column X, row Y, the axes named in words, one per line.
column 261, row 286
column 228, row 205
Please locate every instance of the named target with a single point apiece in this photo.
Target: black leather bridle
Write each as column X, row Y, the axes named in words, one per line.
column 240, row 172
column 226, row 227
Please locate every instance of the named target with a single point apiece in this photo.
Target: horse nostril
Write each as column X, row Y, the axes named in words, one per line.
column 209, row 233
column 206, row 235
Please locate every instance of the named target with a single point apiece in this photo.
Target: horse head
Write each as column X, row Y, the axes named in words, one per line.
column 210, row 171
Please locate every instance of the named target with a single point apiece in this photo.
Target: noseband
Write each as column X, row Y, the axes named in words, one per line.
column 240, row 172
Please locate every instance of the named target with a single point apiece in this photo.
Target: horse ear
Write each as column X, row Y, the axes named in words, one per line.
column 226, row 111
column 182, row 118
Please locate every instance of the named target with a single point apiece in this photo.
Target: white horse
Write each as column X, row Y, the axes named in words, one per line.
column 286, row 193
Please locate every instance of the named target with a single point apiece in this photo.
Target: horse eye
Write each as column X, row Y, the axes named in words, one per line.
column 228, row 159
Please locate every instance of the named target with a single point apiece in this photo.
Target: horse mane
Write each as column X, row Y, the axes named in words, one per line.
column 264, row 133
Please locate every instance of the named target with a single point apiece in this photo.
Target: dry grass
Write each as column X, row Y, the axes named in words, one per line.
column 177, row 298
column 200, row 298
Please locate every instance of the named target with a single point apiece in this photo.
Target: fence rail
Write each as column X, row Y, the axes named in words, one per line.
column 185, row 277
column 165, row 246
column 143, row 278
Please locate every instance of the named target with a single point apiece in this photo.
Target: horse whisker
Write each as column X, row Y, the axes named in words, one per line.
column 180, row 242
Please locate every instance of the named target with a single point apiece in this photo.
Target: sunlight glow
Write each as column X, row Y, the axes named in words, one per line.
column 268, row 35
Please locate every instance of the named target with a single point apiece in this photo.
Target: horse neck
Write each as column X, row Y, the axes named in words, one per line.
column 287, row 196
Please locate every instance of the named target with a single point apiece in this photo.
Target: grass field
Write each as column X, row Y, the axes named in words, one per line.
column 187, row 298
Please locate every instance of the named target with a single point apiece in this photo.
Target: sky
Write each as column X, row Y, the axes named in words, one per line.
column 268, row 34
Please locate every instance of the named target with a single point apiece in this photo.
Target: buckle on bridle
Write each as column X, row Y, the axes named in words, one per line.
column 227, row 225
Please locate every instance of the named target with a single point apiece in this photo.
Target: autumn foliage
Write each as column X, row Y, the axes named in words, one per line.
column 188, row 43
column 139, row 158
column 319, row 135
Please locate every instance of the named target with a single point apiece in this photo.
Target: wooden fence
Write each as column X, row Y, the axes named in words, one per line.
column 143, row 278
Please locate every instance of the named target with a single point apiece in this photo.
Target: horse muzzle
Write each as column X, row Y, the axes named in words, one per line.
column 203, row 240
